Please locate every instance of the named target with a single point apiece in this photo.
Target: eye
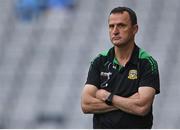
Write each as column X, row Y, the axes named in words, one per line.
column 111, row 26
column 121, row 26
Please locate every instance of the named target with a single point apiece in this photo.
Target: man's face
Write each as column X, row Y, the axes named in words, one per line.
column 121, row 30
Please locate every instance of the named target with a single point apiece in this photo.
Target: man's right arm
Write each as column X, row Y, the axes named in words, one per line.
column 91, row 104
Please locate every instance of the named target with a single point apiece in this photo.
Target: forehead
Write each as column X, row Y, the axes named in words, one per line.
column 122, row 17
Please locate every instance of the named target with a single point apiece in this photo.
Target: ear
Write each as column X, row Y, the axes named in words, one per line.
column 135, row 29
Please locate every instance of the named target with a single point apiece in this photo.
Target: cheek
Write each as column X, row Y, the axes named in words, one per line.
column 126, row 33
column 110, row 35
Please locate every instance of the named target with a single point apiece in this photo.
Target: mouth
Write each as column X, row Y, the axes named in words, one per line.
column 116, row 38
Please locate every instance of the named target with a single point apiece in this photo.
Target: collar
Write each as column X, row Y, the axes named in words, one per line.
column 134, row 56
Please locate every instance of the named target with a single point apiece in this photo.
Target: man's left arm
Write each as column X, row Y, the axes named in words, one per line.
column 137, row 104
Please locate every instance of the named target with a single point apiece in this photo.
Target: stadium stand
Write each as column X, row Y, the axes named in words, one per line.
column 44, row 63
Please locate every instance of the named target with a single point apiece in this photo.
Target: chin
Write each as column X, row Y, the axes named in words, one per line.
column 119, row 44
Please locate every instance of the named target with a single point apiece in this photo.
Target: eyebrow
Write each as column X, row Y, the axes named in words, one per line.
column 122, row 24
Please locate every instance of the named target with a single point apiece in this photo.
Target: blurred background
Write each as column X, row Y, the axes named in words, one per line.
column 45, row 51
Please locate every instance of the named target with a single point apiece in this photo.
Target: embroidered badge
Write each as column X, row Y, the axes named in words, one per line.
column 132, row 74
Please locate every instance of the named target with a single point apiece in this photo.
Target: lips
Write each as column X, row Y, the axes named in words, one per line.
column 116, row 38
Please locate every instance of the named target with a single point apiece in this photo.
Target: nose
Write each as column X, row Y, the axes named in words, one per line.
column 115, row 30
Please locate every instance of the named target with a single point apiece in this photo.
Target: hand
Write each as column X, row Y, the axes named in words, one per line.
column 102, row 94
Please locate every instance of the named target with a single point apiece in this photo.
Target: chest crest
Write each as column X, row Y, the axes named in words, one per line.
column 132, row 74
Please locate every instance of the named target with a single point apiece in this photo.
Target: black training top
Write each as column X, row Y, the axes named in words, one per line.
column 106, row 73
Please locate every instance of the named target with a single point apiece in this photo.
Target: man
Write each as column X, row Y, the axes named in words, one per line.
column 122, row 82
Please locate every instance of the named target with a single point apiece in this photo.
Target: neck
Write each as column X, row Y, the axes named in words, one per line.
column 123, row 53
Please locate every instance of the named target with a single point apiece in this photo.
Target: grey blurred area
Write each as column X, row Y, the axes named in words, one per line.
column 44, row 62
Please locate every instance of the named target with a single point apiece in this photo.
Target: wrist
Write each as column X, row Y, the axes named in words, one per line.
column 109, row 99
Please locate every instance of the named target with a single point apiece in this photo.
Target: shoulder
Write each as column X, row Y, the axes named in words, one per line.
column 102, row 56
column 148, row 60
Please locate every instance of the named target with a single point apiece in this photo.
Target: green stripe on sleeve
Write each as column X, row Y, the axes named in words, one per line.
column 144, row 55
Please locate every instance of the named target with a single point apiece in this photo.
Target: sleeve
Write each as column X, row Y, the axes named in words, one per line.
column 94, row 73
column 149, row 74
